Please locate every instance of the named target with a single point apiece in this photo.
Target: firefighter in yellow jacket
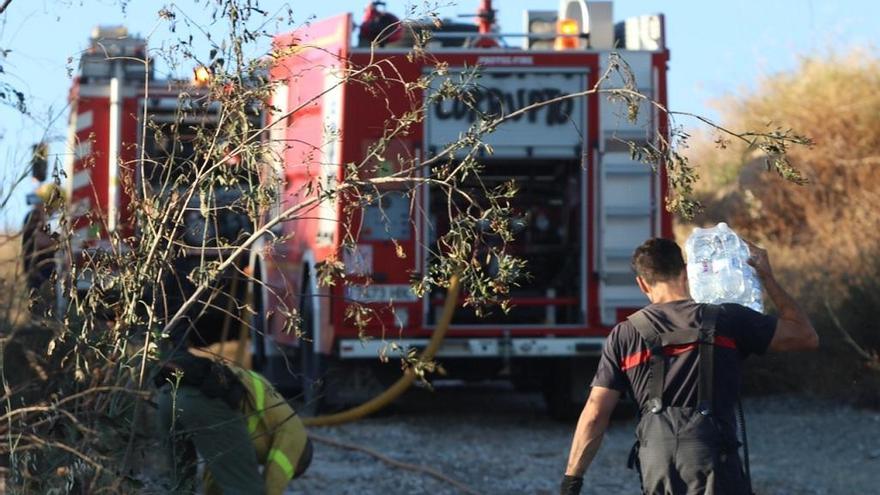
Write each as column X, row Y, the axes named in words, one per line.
column 236, row 421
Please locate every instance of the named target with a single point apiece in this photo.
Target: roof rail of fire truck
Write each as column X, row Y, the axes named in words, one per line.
column 577, row 25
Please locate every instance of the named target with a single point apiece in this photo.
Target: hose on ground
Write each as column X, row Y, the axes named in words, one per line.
column 393, row 462
column 399, row 387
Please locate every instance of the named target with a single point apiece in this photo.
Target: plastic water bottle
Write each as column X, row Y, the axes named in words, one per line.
column 718, row 269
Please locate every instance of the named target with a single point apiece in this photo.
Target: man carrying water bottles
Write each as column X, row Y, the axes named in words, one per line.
column 682, row 362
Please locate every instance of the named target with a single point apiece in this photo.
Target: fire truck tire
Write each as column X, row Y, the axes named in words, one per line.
column 258, row 329
column 271, row 360
column 566, row 388
column 560, row 406
column 311, row 362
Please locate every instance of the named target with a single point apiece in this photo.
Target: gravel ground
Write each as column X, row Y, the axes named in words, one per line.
column 497, row 441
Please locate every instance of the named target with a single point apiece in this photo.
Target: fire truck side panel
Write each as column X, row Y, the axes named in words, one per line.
column 275, row 266
column 631, row 206
column 310, row 64
column 89, row 184
column 386, row 233
column 128, row 154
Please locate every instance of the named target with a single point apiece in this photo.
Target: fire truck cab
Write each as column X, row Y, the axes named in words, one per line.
column 585, row 203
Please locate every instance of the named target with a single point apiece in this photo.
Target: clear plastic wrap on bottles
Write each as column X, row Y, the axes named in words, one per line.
column 718, row 271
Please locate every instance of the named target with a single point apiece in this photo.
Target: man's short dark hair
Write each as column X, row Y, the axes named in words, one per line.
column 658, row 260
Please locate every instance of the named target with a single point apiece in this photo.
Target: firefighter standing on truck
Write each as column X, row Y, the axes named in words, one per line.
column 235, row 420
column 681, row 361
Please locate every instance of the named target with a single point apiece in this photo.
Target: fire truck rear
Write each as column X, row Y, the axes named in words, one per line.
column 584, row 203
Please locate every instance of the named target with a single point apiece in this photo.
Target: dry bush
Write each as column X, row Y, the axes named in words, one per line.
column 822, row 236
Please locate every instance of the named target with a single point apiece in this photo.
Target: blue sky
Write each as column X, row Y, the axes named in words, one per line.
column 717, row 48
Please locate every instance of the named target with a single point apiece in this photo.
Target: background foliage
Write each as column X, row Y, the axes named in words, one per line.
column 823, row 236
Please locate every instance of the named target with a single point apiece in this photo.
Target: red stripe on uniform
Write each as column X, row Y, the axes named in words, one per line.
column 634, row 360
column 643, row 357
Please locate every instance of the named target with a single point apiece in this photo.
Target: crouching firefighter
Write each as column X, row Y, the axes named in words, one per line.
column 682, row 363
column 235, row 420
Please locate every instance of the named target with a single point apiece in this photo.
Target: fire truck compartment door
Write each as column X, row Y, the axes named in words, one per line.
column 552, row 130
column 628, row 191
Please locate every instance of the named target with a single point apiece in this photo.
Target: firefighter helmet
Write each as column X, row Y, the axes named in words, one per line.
column 51, row 195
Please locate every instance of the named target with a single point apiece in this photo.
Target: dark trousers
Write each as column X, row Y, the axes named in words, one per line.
column 684, row 452
column 217, row 432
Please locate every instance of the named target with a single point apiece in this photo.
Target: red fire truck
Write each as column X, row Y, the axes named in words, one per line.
column 131, row 133
column 585, row 203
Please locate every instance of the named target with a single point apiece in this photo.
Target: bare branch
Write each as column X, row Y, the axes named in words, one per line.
column 871, row 358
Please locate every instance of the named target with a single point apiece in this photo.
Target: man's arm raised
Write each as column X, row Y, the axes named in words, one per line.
column 794, row 332
column 588, row 435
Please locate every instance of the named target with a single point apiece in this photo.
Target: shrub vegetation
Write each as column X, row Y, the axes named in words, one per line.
column 823, row 235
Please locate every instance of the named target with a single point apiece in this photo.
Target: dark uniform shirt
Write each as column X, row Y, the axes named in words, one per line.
column 739, row 331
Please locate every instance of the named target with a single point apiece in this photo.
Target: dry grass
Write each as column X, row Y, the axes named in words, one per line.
column 12, row 286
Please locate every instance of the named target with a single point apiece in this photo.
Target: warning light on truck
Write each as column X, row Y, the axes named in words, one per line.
column 201, row 75
column 567, row 29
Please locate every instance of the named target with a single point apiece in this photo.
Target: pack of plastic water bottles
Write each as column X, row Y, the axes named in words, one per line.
column 718, row 271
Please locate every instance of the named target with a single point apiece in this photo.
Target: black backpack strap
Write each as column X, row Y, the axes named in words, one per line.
column 657, row 362
column 741, row 421
column 679, row 337
column 706, row 351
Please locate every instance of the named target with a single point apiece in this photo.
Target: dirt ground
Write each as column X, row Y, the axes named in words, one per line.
column 497, row 441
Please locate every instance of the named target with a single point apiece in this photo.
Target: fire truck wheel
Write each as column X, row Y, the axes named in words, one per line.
column 312, row 380
column 560, row 406
column 567, row 386
column 312, row 364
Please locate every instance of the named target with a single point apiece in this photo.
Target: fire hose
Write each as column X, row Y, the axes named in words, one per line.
column 383, row 399
column 393, row 392
column 403, row 383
